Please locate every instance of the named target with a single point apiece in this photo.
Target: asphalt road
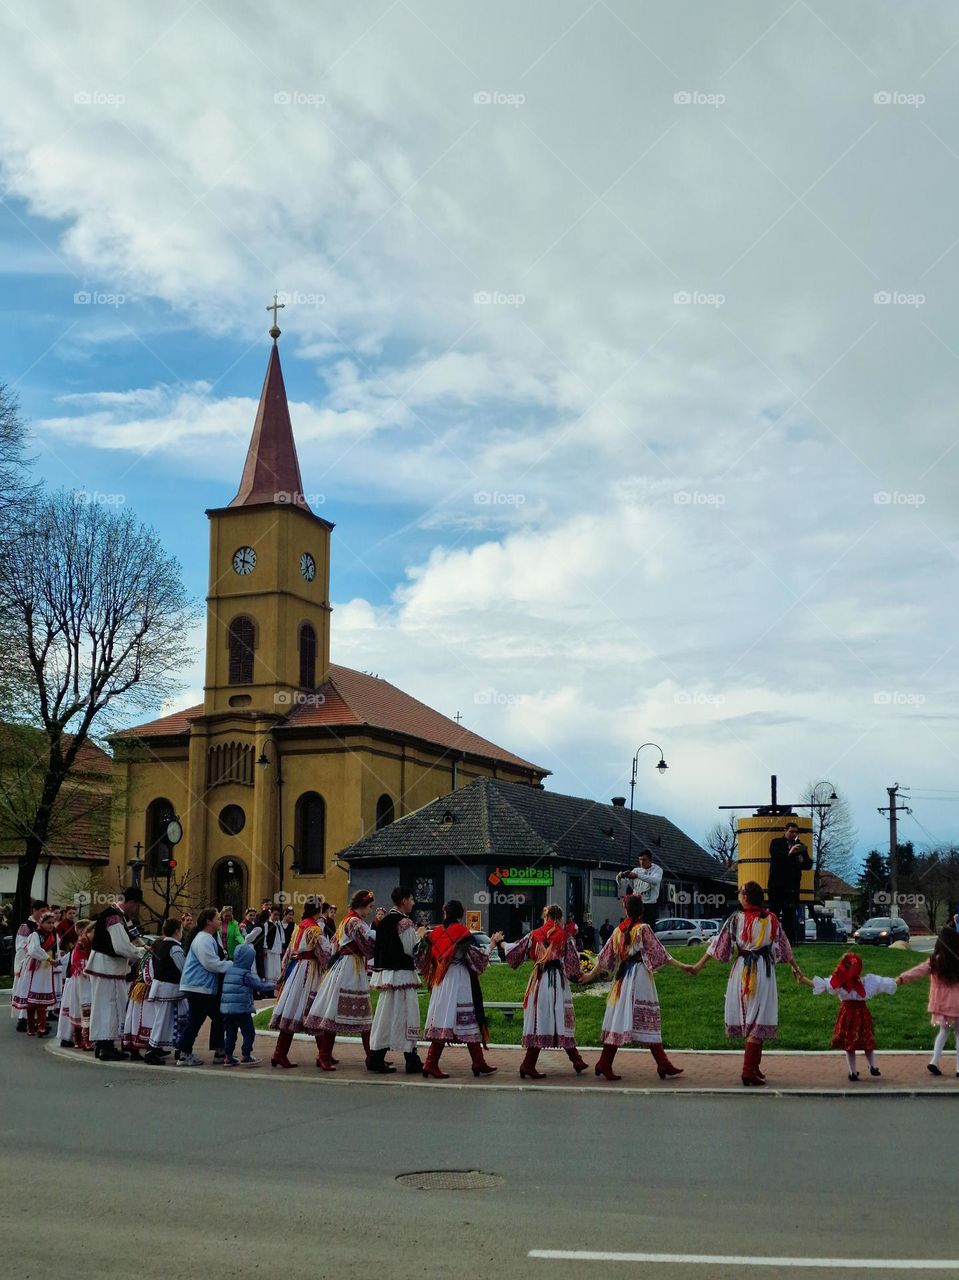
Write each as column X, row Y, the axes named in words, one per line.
column 109, row 1172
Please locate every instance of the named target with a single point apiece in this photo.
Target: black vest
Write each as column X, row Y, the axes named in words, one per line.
column 164, row 970
column 101, row 930
column 388, row 951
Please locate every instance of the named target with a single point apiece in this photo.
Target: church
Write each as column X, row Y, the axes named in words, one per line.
column 290, row 758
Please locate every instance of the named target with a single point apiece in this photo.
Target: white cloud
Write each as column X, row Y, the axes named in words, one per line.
column 681, row 493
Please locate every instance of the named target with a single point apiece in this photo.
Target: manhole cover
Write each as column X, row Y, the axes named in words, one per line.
column 450, row 1180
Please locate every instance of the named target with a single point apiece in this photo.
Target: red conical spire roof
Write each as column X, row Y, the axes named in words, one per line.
column 272, row 470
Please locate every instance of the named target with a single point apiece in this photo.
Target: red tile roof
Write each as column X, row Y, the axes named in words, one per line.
column 354, row 698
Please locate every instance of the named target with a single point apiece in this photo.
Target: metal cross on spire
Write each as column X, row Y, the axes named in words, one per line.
column 275, row 306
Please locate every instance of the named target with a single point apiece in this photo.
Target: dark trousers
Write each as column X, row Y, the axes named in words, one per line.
column 650, row 912
column 200, row 1007
column 786, row 907
column 234, row 1023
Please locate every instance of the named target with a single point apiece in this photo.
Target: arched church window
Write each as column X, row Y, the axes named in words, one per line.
column 242, row 641
column 160, row 813
column 307, row 656
column 385, row 812
column 310, row 837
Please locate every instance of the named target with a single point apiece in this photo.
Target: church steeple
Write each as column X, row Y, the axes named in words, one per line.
column 272, row 470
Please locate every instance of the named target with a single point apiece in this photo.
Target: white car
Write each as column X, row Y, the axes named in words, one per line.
column 709, row 928
column 678, row 931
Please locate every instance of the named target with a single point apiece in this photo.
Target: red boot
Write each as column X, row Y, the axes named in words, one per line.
column 431, row 1067
column 605, row 1065
column 480, row 1066
column 31, row 1020
column 527, row 1068
column 324, row 1043
column 280, row 1056
column 576, row 1058
column 751, row 1057
column 663, row 1064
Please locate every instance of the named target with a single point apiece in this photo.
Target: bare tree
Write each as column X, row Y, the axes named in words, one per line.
column 722, row 839
column 833, row 833
column 934, row 880
column 102, row 614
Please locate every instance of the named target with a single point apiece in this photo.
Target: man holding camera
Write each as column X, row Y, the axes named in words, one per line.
column 788, row 859
column 644, row 881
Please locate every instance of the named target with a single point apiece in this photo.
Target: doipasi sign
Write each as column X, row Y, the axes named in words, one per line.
column 521, row 877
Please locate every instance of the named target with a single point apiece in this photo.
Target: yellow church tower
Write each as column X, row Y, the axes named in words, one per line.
column 290, row 757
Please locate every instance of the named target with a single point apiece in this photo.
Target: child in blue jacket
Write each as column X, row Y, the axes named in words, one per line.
column 240, row 987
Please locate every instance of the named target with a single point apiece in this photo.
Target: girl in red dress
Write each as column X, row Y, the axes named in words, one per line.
column 853, row 1029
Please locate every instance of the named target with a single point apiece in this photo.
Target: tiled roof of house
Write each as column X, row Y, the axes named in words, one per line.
column 489, row 819
column 354, row 699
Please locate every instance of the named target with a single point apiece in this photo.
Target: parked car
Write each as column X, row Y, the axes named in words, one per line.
column 678, row 931
column 483, row 940
column 822, row 926
column 709, row 928
column 882, row 931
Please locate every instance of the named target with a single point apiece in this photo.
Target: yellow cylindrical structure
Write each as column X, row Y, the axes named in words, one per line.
column 754, row 835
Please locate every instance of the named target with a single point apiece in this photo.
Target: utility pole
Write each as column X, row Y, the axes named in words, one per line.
column 894, row 809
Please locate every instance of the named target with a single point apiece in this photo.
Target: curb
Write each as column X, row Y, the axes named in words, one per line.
column 713, row 1091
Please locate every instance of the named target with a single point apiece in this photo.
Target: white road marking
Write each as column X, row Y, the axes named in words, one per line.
column 731, row 1260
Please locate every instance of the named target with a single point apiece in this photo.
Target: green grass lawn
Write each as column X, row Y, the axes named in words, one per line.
column 693, row 1007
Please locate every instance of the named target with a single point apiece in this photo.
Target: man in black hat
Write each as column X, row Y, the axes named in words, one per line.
column 396, row 1023
column 113, row 950
column 788, row 859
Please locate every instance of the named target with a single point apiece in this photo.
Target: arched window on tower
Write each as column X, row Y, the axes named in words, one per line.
column 307, row 656
column 241, row 639
column 384, row 812
column 160, row 813
column 310, row 833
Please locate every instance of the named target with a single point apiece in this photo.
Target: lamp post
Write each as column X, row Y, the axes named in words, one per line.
column 662, row 767
column 294, row 867
column 263, row 760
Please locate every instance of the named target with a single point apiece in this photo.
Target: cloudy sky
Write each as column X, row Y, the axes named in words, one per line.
column 621, row 340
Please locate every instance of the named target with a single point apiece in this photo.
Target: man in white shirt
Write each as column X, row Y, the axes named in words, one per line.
column 108, row 970
column 644, row 881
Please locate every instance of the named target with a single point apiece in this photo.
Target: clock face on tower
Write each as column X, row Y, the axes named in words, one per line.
column 244, row 558
column 307, row 566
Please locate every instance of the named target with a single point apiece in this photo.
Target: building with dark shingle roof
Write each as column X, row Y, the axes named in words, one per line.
column 506, row 850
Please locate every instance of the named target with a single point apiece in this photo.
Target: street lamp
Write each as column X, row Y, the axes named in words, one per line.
column 662, row 767
column 263, row 760
column 294, row 866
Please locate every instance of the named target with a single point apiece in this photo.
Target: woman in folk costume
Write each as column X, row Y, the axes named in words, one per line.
column 752, row 998
column 74, row 1025
column 548, row 1018
column 853, row 1029
column 168, row 1006
column 138, row 1020
column 274, row 946
column 306, row 957
column 34, row 990
column 450, row 962
column 632, row 954
column 342, row 1005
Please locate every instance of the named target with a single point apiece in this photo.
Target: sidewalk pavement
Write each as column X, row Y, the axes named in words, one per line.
column 807, row 1073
